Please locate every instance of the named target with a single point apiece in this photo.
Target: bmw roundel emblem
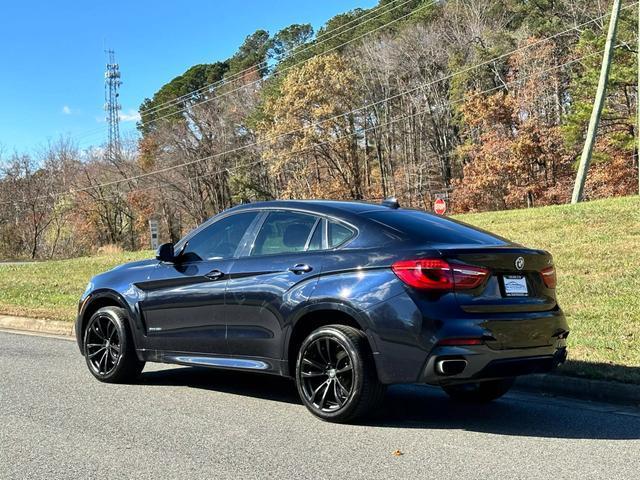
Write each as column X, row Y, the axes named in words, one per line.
column 519, row 263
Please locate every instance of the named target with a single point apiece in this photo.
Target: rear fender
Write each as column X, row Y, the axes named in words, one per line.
column 351, row 292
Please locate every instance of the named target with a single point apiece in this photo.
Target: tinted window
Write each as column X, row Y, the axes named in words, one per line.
column 220, row 239
column 283, row 232
column 433, row 229
column 338, row 234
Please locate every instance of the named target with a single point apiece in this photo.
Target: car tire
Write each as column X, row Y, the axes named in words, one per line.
column 479, row 392
column 108, row 347
column 336, row 375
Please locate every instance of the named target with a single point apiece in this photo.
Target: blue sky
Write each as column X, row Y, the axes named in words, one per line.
column 52, row 53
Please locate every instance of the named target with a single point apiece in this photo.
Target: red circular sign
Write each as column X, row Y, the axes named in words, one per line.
column 440, row 206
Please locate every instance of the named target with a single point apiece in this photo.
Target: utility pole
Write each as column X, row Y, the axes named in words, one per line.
column 112, row 105
column 587, row 151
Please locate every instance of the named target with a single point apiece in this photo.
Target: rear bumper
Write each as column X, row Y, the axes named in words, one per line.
column 451, row 365
column 405, row 335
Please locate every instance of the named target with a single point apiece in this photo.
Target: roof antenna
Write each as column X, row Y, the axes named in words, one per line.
column 391, row 202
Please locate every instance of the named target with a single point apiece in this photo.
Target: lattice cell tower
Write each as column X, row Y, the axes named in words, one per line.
column 112, row 105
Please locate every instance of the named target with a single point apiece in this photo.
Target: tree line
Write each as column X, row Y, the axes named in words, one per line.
column 483, row 102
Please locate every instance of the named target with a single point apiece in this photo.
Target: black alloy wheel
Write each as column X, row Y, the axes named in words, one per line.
column 102, row 344
column 327, row 374
column 335, row 374
column 108, row 347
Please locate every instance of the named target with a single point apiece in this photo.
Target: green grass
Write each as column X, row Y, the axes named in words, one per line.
column 596, row 247
column 51, row 290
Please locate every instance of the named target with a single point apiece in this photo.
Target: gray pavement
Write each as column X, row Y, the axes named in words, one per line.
column 58, row 422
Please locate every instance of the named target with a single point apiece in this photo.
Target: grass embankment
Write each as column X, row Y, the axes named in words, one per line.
column 51, row 290
column 596, row 247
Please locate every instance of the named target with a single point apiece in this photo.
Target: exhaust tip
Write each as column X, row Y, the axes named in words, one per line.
column 451, row 367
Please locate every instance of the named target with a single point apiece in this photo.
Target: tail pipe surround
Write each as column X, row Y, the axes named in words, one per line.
column 452, row 366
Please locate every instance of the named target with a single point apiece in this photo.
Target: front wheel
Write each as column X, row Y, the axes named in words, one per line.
column 108, row 347
column 336, row 375
column 479, row 392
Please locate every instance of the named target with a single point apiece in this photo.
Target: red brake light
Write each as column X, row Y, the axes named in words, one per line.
column 430, row 274
column 437, row 274
column 549, row 276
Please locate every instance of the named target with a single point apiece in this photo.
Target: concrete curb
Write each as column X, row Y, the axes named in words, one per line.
column 582, row 388
column 52, row 327
column 553, row 384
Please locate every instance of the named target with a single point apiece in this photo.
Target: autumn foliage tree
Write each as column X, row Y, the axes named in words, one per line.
column 514, row 154
column 311, row 144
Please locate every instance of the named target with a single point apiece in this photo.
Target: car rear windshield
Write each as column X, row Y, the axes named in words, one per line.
column 433, row 229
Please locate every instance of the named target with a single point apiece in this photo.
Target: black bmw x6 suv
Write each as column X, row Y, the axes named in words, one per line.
column 345, row 297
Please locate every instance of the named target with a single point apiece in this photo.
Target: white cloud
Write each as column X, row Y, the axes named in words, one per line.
column 130, row 116
column 66, row 110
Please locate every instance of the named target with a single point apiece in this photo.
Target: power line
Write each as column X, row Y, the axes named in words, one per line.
column 307, row 46
column 424, row 85
column 384, row 100
column 392, row 121
column 278, row 72
column 368, row 33
column 333, row 140
column 576, row 27
column 380, row 125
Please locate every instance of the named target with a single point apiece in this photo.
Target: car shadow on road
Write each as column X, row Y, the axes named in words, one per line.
column 268, row 387
column 418, row 406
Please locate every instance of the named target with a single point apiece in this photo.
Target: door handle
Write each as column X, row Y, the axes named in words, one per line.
column 214, row 275
column 300, row 268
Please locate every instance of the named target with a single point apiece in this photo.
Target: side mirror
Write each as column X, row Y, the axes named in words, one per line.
column 165, row 253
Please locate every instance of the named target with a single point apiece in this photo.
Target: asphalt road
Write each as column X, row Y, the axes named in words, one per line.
column 58, row 422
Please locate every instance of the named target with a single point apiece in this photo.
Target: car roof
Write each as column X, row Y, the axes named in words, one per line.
column 319, row 206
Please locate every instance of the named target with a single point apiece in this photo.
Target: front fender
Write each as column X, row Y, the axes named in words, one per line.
column 101, row 297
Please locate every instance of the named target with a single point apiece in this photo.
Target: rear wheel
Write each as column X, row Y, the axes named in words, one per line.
column 108, row 347
column 479, row 392
column 336, row 375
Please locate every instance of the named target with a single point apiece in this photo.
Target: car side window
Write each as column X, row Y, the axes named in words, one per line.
column 220, row 239
column 284, row 232
column 338, row 234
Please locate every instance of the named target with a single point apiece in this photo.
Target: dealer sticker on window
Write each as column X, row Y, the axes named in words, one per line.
column 515, row 286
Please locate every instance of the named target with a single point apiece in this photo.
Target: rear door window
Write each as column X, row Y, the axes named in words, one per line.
column 434, row 229
column 284, row 232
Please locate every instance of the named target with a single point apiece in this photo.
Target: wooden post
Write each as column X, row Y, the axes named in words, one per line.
column 598, row 103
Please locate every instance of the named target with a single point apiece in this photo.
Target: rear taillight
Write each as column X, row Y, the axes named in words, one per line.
column 438, row 274
column 549, row 276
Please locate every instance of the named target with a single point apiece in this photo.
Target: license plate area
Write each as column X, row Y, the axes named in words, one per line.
column 515, row 286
